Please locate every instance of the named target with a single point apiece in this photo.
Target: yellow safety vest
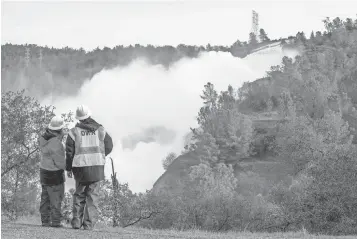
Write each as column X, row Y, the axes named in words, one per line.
column 89, row 147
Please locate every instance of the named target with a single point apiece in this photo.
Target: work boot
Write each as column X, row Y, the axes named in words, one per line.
column 75, row 227
column 57, row 225
column 87, row 227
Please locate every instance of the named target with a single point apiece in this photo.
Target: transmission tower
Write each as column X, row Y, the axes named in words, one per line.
column 255, row 23
column 27, row 57
column 40, row 58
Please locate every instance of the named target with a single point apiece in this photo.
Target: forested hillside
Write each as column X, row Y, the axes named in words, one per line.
column 63, row 71
column 303, row 116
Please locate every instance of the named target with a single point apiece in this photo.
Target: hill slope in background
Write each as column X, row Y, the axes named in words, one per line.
column 63, row 71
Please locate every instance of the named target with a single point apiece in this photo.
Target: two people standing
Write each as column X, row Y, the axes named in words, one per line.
column 83, row 157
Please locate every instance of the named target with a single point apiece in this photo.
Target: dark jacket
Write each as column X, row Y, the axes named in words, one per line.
column 52, row 162
column 89, row 173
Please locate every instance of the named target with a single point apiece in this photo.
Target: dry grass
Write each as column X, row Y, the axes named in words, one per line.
column 30, row 228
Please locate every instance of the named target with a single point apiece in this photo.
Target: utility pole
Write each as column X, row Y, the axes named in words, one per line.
column 40, row 58
column 115, row 195
column 114, row 175
column 27, row 57
column 52, row 88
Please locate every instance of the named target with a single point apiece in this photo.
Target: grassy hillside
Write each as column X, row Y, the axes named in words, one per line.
column 271, row 170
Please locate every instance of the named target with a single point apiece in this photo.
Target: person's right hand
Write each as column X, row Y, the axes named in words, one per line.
column 69, row 174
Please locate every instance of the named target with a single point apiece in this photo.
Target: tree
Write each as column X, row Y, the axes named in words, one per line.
column 286, row 105
column 270, row 105
column 332, row 192
column 349, row 24
column 328, row 24
column 317, row 139
column 263, row 36
column 313, row 146
column 67, row 205
column 206, row 199
column 168, row 160
column 23, row 121
column 237, row 44
column 213, row 187
column 300, row 37
column 253, row 39
column 312, row 36
column 207, row 148
column 19, row 198
column 207, row 114
column 223, row 129
column 239, row 49
column 318, row 38
column 131, row 208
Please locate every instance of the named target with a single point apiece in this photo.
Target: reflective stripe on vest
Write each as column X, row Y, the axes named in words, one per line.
column 89, row 147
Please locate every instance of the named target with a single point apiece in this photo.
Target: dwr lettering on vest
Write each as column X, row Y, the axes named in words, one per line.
column 85, row 133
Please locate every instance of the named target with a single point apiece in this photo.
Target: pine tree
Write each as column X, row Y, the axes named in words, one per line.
column 221, row 120
column 263, row 36
column 168, row 160
column 237, row 44
column 253, row 39
column 207, row 148
column 349, row 24
column 300, row 37
column 312, row 36
column 207, row 117
column 286, row 105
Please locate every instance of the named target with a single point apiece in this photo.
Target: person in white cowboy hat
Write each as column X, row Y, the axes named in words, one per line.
column 87, row 145
column 52, row 178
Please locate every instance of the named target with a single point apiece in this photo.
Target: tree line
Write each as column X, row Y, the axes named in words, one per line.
column 49, row 70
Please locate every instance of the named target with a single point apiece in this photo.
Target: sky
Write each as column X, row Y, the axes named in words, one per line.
column 98, row 24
